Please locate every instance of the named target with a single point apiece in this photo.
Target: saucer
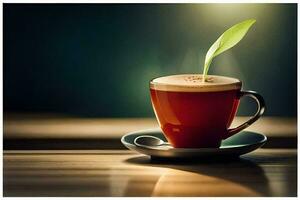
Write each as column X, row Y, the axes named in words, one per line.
column 239, row 144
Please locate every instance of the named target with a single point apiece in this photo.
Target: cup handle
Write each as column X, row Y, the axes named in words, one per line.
column 260, row 110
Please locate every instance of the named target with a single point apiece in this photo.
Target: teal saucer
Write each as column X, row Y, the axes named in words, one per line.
column 239, row 144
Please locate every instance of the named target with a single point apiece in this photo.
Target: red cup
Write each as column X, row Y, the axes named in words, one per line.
column 193, row 114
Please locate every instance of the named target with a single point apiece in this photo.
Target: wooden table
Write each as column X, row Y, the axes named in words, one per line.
column 63, row 132
column 63, row 156
column 265, row 172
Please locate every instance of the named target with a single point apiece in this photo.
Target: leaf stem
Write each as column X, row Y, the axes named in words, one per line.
column 205, row 71
column 203, row 78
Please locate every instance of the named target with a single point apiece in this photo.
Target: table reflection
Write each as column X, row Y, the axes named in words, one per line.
column 238, row 177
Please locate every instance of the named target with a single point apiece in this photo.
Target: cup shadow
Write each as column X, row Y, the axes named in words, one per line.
column 237, row 171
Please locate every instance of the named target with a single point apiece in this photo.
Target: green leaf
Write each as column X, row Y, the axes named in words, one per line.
column 227, row 40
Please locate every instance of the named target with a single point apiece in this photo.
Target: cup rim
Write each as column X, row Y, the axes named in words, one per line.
column 235, row 84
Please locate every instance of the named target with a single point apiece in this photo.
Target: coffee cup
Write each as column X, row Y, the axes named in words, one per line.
column 197, row 114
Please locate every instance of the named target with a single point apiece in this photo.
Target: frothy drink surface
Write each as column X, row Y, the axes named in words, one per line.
column 194, row 83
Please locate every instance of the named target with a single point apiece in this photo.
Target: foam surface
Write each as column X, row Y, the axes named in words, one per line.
column 193, row 82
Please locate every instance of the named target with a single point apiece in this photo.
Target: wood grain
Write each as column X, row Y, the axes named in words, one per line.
column 43, row 127
column 44, row 131
column 265, row 172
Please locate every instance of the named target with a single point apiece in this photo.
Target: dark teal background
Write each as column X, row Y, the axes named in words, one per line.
column 96, row 60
